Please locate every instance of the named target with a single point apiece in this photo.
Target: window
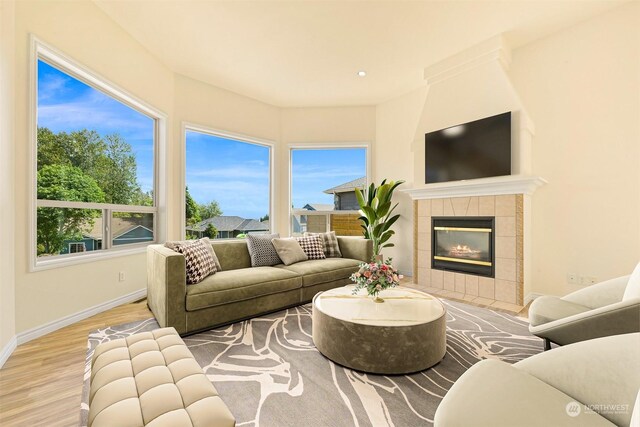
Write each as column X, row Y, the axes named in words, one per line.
column 96, row 150
column 77, row 247
column 228, row 185
column 323, row 183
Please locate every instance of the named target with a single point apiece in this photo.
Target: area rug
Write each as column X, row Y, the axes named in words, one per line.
column 269, row 373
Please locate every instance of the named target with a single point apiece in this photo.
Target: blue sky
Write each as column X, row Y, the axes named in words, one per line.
column 317, row 170
column 67, row 104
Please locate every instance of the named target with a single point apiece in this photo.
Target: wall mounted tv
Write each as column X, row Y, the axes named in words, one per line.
column 477, row 149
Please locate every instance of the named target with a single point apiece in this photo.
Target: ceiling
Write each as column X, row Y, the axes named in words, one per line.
column 308, row 53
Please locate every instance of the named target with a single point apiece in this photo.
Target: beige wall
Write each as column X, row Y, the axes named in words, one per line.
column 582, row 89
column 82, row 31
column 7, row 192
column 396, row 123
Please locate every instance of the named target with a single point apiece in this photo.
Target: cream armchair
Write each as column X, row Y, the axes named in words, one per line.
column 607, row 308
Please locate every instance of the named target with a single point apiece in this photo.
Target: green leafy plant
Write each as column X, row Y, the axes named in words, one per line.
column 377, row 213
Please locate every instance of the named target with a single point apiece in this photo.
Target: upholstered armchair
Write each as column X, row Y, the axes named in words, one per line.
column 607, row 308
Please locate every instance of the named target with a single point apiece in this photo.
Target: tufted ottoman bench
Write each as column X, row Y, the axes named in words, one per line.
column 152, row 379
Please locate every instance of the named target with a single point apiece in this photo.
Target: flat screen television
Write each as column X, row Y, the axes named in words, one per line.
column 477, row 149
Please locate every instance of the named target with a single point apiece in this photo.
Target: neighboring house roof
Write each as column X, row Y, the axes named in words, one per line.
column 230, row 223
column 348, row 186
column 119, row 227
column 319, row 207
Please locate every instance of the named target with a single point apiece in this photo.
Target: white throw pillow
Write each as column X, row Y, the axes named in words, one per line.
column 633, row 285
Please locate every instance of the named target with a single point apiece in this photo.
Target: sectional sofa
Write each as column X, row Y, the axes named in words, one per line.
column 240, row 291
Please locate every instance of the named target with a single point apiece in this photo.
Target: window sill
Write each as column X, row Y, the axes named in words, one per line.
column 59, row 261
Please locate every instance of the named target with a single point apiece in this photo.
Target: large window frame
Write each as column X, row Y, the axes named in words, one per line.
column 43, row 52
column 194, row 127
column 322, row 146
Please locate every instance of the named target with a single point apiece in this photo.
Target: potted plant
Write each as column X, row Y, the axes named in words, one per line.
column 376, row 214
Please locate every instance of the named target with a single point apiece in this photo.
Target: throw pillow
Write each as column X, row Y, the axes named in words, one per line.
column 261, row 249
column 312, row 246
column 198, row 260
column 331, row 246
column 289, row 250
column 633, row 285
column 172, row 245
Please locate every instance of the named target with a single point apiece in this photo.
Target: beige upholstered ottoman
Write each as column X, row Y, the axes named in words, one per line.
column 152, row 379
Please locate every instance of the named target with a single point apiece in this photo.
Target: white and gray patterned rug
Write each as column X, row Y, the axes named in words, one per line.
column 269, row 373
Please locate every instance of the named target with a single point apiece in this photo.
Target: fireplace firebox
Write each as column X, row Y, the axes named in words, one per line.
column 463, row 245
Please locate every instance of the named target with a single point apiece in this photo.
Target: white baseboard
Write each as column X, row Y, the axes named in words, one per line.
column 39, row 331
column 530, row 297
column 8, row 350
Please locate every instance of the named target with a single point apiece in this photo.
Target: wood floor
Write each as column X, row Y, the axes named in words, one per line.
column 41, row 383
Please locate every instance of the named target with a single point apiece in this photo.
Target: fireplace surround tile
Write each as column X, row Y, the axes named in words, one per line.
column 506, row 205
column 506, row 269
column 424, row 277
column 487, row 205
column 460, row 282
column 437, row 207
column 460, row 206
column 505, row 291
column 447, row 207
column 506, row 247
column 424, row 208
column 486, row 287
column 437, row 279
column 424, row 239
column 471, row 285
column 472, row 209
column 449, row 281
column 505, row 226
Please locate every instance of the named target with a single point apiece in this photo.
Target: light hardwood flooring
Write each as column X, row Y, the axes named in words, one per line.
column 41, row 383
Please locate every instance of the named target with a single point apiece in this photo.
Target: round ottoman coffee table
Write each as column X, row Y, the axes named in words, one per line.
column 406, row 333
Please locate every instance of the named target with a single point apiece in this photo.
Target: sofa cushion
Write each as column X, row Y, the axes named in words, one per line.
column 233, row 254
column 238, row 285
column 312, row 246
column 199, row 262
column 261, row 250
column 633, row 285
column 289, row 250
column 173, row 244
column 319, row 271
column 548, row 308
column 331, row 246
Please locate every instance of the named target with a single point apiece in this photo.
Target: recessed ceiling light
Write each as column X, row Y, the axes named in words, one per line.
column 362, row 73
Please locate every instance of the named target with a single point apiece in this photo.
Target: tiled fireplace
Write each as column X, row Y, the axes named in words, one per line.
column 502, row 281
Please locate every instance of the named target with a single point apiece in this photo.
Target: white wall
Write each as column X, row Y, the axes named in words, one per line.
column 86, row 34
column 396, row 123
column 582, row 89
column 7, row 191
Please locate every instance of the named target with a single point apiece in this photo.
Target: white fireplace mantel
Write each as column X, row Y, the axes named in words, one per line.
column 512, row 184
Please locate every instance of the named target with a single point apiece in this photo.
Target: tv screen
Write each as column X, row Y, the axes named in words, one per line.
column 477, row 149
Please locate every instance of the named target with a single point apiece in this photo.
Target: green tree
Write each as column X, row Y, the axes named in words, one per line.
column 209, row 210
column 55, row 225
column 264, row 218
column 116, row 171
column 211, row 231
column 191, row 208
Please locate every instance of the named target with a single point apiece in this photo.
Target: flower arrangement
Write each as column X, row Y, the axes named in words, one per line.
column 375, row 276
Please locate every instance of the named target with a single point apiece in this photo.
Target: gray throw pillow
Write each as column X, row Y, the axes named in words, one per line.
column 261, row 249
column 331, row 246
column 174, row 243
column 289, row 250
column 198, row 260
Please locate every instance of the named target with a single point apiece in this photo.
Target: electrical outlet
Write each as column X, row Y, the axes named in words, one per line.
column 121, row 276
column 572, row 278
column 587, row 280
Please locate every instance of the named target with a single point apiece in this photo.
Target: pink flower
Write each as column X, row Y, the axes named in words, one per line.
column 378, row 287
column 367, row 274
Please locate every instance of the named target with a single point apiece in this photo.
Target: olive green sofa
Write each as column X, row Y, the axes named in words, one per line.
column 240, row 291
